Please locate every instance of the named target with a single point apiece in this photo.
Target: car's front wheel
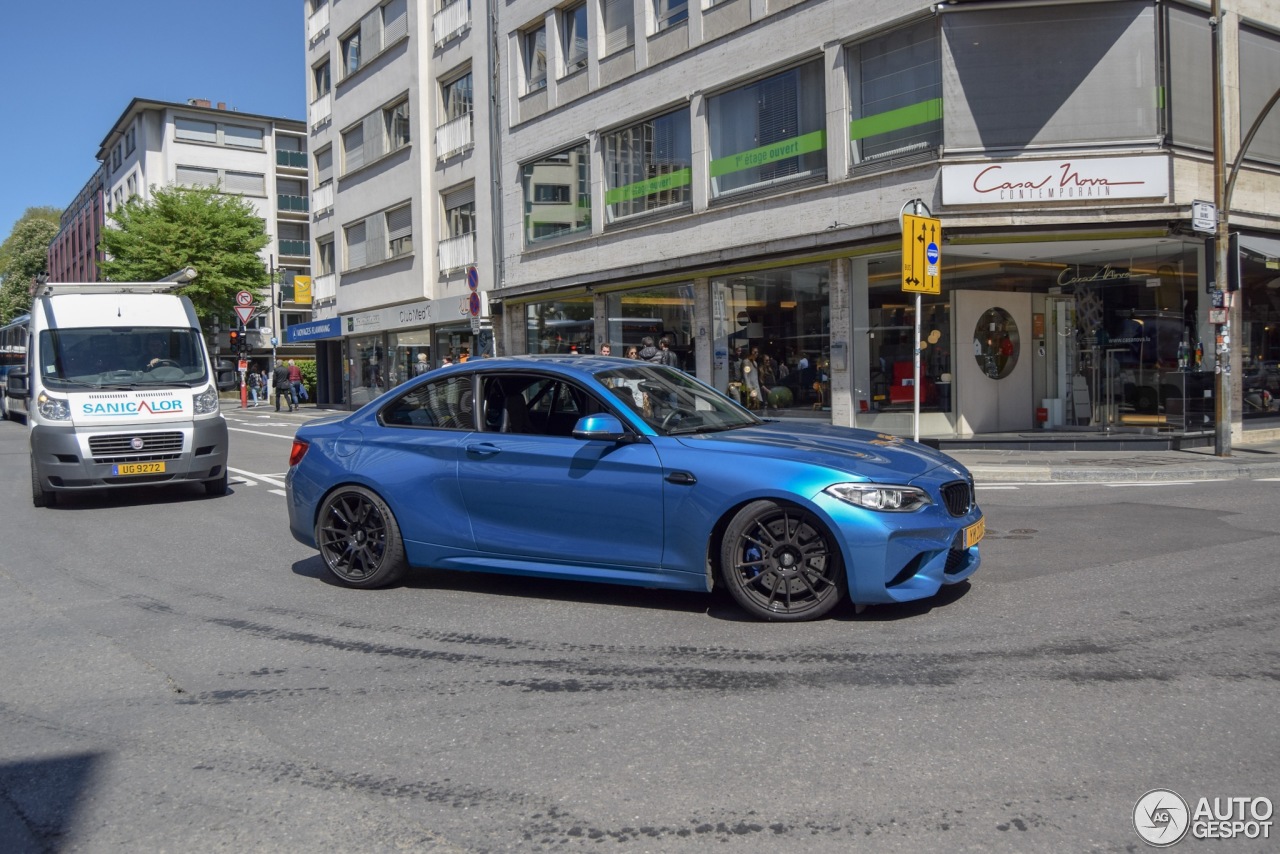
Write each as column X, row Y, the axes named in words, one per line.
column 779, row 563
column 359, row 538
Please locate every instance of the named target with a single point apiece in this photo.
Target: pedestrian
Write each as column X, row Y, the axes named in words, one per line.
column 295, row 383
column 280, row 381
column 632, row 354
column 254, row 381
column 667, row 356
column 421, row 366
column 648, row 352
column 605, row 349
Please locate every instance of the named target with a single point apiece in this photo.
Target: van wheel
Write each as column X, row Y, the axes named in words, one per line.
column 40, row 497
column 216, row 487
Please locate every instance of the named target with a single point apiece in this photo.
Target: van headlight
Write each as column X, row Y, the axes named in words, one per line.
column 207, row 401
column 880, row 496
column 53, row 408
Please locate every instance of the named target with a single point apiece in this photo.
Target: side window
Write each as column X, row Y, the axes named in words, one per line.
column 445, row 403
column 534, row 405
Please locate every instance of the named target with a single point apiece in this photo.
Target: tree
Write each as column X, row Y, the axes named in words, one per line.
column 23, row 256
column 218, row 234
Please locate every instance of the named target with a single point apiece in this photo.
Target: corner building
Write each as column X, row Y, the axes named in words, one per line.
column 730, row 176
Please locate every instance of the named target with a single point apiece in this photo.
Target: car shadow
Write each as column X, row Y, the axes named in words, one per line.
column 717, row 604
column 133, row 496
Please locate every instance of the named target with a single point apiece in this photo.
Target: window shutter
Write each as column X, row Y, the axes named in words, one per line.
column 248, row 183
column 375, row 239
column 242, row 137
column 399, row 223
column 356, row 246
column 394, row 21
column 195, row 176
column 371, row 34
column 375, row 141
column 194, row 131
column 353, row 148
column 459, row 197
column 324, row 167
column 619, row 25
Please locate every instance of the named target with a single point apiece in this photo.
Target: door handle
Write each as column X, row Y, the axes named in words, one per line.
column 681, row 478
column 483, row 449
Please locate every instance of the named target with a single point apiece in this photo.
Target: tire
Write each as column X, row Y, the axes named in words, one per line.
column 780, row 564
column 359, row 539
column 40, row 497
column 216, row 487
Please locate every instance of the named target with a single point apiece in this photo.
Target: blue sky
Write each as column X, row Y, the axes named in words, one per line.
column 70, row 67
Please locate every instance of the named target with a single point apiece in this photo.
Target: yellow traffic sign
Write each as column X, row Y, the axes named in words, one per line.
column 302, row 289
column 921, row 254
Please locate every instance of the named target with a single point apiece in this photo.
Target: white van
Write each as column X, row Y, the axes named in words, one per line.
column 119, row 391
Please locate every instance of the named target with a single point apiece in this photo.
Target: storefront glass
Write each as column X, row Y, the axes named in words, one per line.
column 771, row 333
column 560, row 326
column 659, row 314
column 405, row 349
column 366, row 369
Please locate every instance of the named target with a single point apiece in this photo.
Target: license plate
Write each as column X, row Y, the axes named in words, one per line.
column 124, row 469
column 974, row 533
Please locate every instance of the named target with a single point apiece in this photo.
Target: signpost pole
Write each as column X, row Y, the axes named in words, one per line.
column 921, row 273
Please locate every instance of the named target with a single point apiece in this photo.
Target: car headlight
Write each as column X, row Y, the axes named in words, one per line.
column 53, row 408
column 207, row 401
column 880, row 496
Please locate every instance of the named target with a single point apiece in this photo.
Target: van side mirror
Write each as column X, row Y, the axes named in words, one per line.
column 15, row 384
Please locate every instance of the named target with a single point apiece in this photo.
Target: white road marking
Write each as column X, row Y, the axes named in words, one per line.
column 267, row 479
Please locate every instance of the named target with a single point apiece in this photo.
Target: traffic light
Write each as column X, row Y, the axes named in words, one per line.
column 235, row 340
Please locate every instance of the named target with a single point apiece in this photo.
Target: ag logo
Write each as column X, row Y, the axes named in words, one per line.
column 1161, row 817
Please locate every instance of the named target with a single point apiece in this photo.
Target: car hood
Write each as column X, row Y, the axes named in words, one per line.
column 873, row 456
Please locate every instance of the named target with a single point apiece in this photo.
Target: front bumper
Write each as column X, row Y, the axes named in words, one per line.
column 68, row 459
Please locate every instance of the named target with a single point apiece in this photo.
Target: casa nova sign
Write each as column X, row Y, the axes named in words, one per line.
column 1090, row 179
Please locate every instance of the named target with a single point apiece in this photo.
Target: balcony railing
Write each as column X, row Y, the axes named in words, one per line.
column 298, row 204
column 318, row 23
column 322, row 199
column 324, row 288
column 453, row 137
column 451, row 21
column 291, row 159
column 321, row 109
column 457, row 252
column 295, row 248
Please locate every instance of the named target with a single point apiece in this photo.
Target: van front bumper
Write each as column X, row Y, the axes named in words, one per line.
column 68, row 458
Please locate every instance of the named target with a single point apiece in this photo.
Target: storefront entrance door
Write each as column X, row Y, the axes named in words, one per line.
column 993, row 362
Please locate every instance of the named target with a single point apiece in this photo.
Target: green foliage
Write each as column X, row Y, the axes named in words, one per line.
column 308, row 368
column 218, row 234
column 23, row 256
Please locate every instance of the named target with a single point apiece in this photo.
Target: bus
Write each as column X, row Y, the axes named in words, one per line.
column 13, row 354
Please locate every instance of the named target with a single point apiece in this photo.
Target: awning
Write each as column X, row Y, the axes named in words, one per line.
column 1263, row 247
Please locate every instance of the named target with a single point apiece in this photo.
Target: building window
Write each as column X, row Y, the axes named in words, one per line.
column 191, row 130
column 242, row 137
column 400, row 231
column 670, row 12
column 551, row 194
column 769, row 132
column 324, row 166
column 130, row 140
column 324, row 255
column 456, row 101
column 619, row 25
column 545, row 220
column 573, row 31
column 648, row 166
column 895, row 94
column 354, row 235
column 244, row 183
column 321, row 82
column 535, row 58
column 353, row 149
column 395, row 21
column 460, row 212
column 351, row 54
column 396, row 120
column 195, row 176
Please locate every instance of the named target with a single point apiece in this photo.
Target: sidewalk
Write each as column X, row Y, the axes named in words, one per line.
column 1257, row 456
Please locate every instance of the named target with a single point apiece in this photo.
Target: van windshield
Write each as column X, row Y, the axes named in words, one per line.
column 121, row 357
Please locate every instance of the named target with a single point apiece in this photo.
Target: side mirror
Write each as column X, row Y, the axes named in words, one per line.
column 15, row 384
column 601, row 427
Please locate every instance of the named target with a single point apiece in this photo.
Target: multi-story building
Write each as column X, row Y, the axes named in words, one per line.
column 400, row 191
column 197, row 143
column 732, row 176
column 73, row 255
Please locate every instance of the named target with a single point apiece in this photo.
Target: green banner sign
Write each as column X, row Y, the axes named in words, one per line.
column 782, row 150
column 640, row 189
column 891, row 120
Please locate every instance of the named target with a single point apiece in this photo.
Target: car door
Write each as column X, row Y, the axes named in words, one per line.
column 535, row 493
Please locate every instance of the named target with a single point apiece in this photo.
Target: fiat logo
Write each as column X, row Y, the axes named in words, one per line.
column 136, row 443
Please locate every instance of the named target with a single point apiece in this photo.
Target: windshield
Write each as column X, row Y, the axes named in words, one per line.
column 121, row 357
column 672, row 402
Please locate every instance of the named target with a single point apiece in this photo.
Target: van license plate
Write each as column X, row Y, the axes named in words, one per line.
column 974, row 533
column 124, row 469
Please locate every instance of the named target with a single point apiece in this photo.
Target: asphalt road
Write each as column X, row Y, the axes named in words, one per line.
column 179, row 675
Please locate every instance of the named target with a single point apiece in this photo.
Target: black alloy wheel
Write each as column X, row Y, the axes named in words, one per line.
column 780, row 564
column 359, row 538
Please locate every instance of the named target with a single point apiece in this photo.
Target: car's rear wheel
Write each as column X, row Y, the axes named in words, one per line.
column 779, row 563
column 359, row 538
